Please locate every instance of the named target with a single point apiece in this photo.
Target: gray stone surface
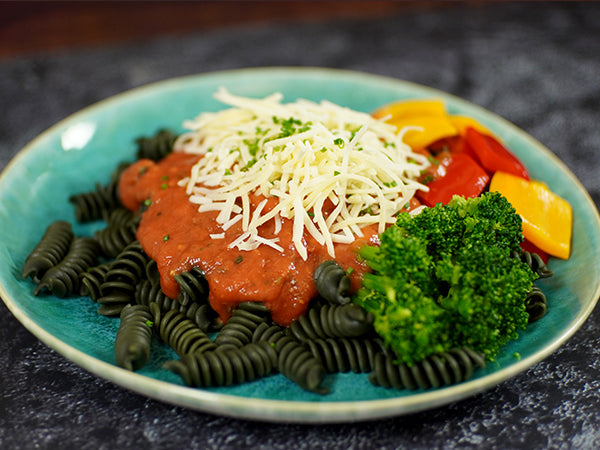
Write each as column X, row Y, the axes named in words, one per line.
column 536, row 65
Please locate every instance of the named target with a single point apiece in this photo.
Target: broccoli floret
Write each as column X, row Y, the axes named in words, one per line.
column 445, row 278
column 488, row 220
column 486, row 293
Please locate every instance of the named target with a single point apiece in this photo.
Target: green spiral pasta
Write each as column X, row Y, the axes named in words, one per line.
column 268, row 332
column 193, row 286
column 323, row 321
column 155, row 147
column 451, row 367
column 132, row 343
column 535, row 263
column 119, row 232
column 535, row 304
column 62, row 280
column 98, row 203
column 299, row 365
column 147, row 293
column 332, row 282
column 225, row 368
column 49, row 251
column 239, row 328
column 118, row 288
column 294, row 360
column 90, row 281
column 179, row 332
column 345, row 355
column 152, row 273
column 203, row 315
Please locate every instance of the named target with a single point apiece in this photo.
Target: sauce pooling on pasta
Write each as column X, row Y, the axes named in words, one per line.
column 178, row 237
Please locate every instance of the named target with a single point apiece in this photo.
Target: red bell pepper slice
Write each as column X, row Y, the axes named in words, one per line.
column 452, row 174
column 492, row 155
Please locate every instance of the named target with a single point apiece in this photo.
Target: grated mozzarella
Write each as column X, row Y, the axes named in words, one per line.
column 306, row 154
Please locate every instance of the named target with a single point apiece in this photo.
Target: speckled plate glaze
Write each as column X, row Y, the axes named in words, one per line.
column 83, row 150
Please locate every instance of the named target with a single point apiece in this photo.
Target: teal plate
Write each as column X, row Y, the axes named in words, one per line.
column 83, row 150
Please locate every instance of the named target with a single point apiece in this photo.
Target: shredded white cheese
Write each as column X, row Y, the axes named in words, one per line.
column 333, row 170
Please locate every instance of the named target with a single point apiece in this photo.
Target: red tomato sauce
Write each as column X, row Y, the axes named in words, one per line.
column 174, row 234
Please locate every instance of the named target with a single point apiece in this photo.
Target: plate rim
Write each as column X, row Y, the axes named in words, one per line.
column 273, row 410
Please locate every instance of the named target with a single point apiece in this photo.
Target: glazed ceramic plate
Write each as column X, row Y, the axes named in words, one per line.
column 83, row 150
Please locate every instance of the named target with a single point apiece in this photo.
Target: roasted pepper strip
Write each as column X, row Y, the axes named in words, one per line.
column 452, row 174
column 492, row 155
column 547, row 218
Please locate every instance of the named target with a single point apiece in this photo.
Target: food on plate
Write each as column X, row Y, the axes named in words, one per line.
column 307, row 239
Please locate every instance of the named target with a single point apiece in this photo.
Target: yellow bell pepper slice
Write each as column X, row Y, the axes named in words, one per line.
column 432, row 128
column 410, row 108
column 428, row 114
column 547, row 218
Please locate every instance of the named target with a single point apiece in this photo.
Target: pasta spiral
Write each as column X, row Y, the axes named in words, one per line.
column 332, row 282
column 91, row 281
column 294, row 360
column 63, row 278
column 152, row 273
column 239, row 328
column 453, row 366
column 344, row 355
column 349, row 320
column 120, row 281
column 535, row 304
column 50, row 250
column 535, row 263
column 179, row 332
column 120, row 231
column 225, row 368
column 193, row 286
column 299, row 365
column 132, row 343
column 147, row 293
column 268, row 332
column 155, row 147
column 98, row 203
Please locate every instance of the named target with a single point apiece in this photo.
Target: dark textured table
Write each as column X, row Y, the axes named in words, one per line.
column 536, row 65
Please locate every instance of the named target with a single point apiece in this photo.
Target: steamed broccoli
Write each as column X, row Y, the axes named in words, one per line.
column 445, row 278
